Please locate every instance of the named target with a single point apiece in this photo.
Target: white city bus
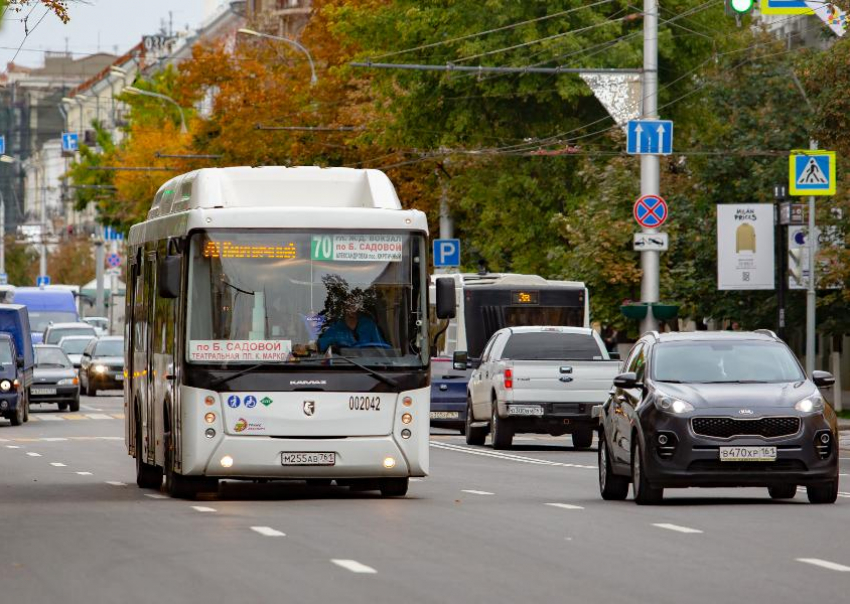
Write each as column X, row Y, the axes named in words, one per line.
column 277, row 328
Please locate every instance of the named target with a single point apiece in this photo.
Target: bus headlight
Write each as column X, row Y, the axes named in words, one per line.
column 226, row 461
column 389, row 463
column 100, row 368
column 5, row 385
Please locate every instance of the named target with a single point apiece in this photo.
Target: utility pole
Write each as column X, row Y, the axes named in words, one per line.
column 649, row 164
column 42, row 262
column 98, row 267
column 811, row 291
column 2, row 234
column 113, row 285
column 447, row 227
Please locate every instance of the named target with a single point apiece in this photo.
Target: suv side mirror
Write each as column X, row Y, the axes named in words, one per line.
column 626, row 381
column 823, row 379
column 460, row 359
column 446, row 302
column 169, row 276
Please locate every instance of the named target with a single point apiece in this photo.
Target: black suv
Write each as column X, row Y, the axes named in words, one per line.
column 717, row 409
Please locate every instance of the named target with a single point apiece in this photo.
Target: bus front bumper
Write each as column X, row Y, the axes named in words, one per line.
column 263, row 457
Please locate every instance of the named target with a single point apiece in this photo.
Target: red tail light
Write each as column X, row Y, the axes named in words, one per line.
column 509, row 378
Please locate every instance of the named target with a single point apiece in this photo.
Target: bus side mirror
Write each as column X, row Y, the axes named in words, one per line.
column 445, row 298
column 460, row 360
column 169, row 276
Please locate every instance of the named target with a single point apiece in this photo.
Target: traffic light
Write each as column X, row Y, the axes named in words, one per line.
column 795, row 265
column 735, row 8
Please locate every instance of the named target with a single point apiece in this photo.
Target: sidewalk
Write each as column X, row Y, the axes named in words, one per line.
column 844, row 433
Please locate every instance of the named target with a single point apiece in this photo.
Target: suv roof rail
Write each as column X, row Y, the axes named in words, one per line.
column 767, row 332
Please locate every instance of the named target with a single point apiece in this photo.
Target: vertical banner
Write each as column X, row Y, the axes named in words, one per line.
column 745, row 246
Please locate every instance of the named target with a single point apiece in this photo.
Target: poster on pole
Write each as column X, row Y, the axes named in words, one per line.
column 745, row 246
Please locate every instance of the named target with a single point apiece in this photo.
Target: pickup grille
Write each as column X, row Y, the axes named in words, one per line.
column 727, row 427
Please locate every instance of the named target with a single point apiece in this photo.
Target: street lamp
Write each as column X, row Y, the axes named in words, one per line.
column 162, row 97
column 293, row 43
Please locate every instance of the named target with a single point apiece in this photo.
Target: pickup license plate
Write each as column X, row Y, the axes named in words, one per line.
column 42, row 391
column 747, row 453
column 307, row 459
column 525, row 410
column 445, row 414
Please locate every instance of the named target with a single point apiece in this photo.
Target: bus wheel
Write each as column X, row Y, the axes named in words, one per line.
column 147, row 476
column 179, row 486
column 394, row 487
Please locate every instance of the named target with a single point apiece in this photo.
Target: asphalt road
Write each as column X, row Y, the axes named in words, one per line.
column 520, row 526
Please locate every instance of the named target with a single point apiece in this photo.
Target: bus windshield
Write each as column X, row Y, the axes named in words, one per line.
column 299, row 298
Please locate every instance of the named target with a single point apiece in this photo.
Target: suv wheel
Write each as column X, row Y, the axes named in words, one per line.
column 644, row 493
column 611, row 486
column 582, row 439
column 501, row 432
column 784, row 491
column 474, row 436
column 826, row 493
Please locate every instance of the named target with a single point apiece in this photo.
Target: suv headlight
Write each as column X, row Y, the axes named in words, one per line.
column 5, row 385
column 811, row 404
column 100, row 368
column 673, row 405
column 66, row 382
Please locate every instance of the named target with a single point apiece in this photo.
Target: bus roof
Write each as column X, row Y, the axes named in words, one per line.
column 275, row 186
column 495, row 280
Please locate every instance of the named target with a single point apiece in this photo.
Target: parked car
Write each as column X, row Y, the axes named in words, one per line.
column 717, row 409
column 102, row 365
column 16, row 362
column 54, row 379
column 100, row 324
column 57, row 331
column 46, row 306
column 74, row 346
column 544, row 380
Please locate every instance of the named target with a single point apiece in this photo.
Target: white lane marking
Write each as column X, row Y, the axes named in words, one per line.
column 507, row 456
column 54, row 439
column 57, row 464
column 84, row 473
column 825, row 564
column 12, row 447
column 677, row 528
column 201, row 508
column 90, row 408
column 415, row 480
column 115, row 483
column 155, row 496
column 267, row 531
column 48, row 418
column 33, row 454
column 566, row 506
column 474, row 492
column 354, row 566
column 99, row 416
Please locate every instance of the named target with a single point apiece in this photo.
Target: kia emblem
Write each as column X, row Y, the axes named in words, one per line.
column 745, row 411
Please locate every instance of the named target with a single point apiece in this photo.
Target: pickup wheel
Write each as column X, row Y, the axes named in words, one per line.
column 501, row 432
column 582, row 439
column 611, row 486
column 474, row 436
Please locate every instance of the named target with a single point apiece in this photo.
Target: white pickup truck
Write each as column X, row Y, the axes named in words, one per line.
column 543, row 380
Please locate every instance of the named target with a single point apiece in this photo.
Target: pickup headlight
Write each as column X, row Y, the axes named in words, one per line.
column 811, row 404
column 100, row 368
column 673, row 405
column 67, row 382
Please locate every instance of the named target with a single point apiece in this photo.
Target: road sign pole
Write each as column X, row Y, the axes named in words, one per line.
column 811, row 292
column 649, row 164
column 98, row 268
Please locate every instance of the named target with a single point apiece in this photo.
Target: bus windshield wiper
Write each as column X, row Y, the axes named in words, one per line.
column 241, row 372
column 377, row 374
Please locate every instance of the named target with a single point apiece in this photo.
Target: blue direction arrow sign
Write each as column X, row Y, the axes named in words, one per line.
column 650, row 137
column 42, row 280
column 446, row 252
column 70, row 142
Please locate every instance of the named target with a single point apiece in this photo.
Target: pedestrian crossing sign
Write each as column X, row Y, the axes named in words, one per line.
column 785, row 7
column 811, row 172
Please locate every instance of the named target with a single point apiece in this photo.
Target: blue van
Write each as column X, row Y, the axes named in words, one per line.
column 46, row 306
column 16, row 363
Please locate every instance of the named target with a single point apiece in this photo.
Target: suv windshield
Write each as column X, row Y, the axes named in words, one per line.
column 57, row 334
column 41, row 319
column 552, row 346
column 75, row 345
column 109, row 348
column 51, row 356
column 284, row 297
column 725, row 362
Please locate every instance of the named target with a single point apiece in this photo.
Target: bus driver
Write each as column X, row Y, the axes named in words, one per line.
column 354, row 330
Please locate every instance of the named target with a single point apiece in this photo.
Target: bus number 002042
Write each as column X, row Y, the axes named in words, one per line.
column 364, row 403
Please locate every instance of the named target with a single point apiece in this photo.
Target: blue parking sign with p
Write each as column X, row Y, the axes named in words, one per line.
column 446, row 252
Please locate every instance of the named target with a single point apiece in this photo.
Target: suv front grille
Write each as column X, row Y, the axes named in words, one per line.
column 727, row 427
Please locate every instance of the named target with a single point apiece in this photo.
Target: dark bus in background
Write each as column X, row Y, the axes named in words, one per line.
column 486, row 303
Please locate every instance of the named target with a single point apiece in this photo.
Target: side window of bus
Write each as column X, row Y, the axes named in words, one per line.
column 139, row 310
column 163, row 325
